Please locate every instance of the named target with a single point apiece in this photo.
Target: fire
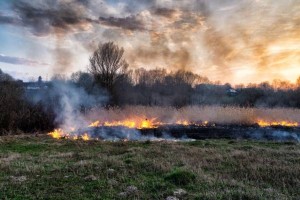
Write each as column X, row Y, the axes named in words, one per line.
column 184, row 122
column 126, row 123
column 188, row 123
column 95, row 124
column 147, row 124
column 60, row 133
column 263, row 123
column 144, row 123
column 85, row 137
column 137, row 123
column 130, row 123
column 57, row 133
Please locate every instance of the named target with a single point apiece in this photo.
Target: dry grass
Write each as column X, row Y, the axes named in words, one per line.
column 40, row 167
column 216, row 114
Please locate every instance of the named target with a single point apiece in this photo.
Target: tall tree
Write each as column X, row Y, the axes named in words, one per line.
column 107, row 64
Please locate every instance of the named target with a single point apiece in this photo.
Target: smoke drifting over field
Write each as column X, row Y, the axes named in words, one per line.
column 194, row 114
column 239, row 39
column 161, row 123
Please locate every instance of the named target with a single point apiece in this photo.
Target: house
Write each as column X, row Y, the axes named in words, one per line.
column 231, row 92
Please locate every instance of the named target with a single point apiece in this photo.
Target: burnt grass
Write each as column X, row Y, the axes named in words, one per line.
column 39, row 167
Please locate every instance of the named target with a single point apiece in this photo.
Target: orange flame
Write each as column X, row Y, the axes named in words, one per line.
column 85, row 137
column 57, row 133
column 144, row 123
column 147, row 124
column 183, row 122
column 131, row 123
column 95, row 124
column 60, row 133
column 263, row 123
column 126, row 123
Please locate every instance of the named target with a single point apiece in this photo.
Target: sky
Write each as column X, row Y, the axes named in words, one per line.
column 234, row 41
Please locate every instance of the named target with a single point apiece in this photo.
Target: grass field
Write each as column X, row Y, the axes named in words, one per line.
column 38, row 167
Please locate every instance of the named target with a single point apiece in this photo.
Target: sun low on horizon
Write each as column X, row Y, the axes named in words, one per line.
column 230, row 41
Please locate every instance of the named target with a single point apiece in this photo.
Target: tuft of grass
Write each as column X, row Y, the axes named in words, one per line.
column 181, row 177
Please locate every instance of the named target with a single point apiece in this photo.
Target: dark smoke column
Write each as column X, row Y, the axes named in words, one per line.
column 107, row 65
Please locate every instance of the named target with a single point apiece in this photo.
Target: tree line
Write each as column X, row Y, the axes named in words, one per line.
column 109, row 81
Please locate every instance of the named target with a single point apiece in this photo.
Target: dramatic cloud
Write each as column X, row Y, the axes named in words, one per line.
column 227, row 40
column 20, row 61
column 52, row 16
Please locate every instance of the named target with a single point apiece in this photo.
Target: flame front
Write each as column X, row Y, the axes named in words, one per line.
column 57, row 133
column 263, row 123
column 130, row 123
column 60, row 133
column 144, row 123
column 95, row 124
column 85, row 137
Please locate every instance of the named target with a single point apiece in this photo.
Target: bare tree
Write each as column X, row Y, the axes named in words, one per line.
column 107, row 64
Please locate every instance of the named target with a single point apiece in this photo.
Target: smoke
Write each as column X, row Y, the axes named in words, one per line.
column 196, row 114
column 70, row 103
column 275, row 135
column 124, row 134
column 221, row 122
column 63, row 59
column 238, row 39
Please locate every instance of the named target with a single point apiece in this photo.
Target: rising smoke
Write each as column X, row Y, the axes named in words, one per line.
column 70, row 103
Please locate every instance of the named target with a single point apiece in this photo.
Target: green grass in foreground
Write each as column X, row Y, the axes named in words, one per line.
column 44, row 168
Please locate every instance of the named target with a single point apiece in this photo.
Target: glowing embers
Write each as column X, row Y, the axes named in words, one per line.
column 263, row 123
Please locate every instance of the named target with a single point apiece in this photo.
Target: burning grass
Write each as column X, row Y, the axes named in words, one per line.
column 141, row 118
column 42, row 167
column 194, row 114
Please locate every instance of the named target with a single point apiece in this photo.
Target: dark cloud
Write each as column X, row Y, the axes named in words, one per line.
column 166, row 12
column 52, row 16
column 20, row 61
column 128, row 23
